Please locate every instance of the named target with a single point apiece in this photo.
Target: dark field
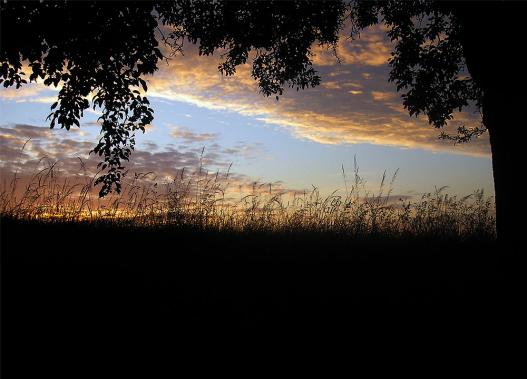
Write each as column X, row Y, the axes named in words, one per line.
column 79, row 292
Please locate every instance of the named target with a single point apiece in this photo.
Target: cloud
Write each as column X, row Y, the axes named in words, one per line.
column 189, row 136
column 246, row 150
column 354, row 104
column 23, row 146
column 370, row 49
column 382, row 96
column 30, row 93
column 26, row 91
column 28, row 149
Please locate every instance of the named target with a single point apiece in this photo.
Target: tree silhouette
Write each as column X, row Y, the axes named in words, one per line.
column 97, row 48
column 106, row 49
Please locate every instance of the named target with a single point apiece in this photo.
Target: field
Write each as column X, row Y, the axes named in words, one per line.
column 158, row 272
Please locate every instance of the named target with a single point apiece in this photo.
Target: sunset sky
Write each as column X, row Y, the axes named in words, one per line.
column 302, row 139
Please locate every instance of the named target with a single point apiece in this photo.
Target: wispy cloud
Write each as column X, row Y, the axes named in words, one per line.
column 354, row 104
column 189, row 136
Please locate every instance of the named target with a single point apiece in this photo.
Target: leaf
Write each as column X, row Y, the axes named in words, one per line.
column 143, row 84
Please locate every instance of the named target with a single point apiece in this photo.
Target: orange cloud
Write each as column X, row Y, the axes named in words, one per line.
column 383, row 96
column 354, row 104
column 350, row 106
column 370, row 49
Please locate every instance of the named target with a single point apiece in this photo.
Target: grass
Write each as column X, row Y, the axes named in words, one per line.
column 166, row 268
column 197, row 199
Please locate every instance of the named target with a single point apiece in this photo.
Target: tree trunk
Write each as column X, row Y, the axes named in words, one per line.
column 493, row 34
column 504, row 116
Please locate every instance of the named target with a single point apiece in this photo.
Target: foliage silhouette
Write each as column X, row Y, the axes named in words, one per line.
column 107, row 49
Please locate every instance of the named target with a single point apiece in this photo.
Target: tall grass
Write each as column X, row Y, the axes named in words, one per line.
column 199, row 199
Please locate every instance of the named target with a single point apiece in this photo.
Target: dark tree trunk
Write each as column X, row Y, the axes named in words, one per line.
column 504, row 116
column 494, row 36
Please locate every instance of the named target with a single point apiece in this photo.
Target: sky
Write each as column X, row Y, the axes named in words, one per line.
column 304, row 139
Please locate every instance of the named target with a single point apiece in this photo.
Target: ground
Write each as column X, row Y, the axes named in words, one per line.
column 73, row 288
